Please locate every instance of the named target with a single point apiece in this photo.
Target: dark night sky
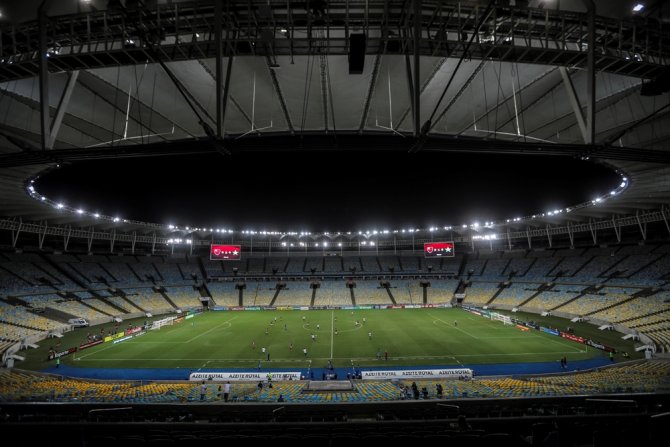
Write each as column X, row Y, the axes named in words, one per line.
column 327, row 191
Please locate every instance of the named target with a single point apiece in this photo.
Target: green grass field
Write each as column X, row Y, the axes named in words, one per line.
column 410, row 336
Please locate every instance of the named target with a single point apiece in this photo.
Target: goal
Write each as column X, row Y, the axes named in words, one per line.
column 500, row 317
column 160, row 323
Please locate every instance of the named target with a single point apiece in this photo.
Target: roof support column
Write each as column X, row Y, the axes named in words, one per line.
column 509, row 240
column 132, row 244
column 153, row 244
column 643, row 227
column 417, row 77
column 549, row 237
column 591, row 73
column 571, row 235
column 530, row 245
column 66, row 237
column 42, row 235
column 112, row 240
column 665, row 219
column 219, row 65
column 44, row 76
column 617, row 229
column 15, row 233
column 594, row 232
column 62, row 107
column 91, row 233
column 574, row 102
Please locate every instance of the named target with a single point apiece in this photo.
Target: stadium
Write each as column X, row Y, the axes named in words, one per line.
column 537, row 324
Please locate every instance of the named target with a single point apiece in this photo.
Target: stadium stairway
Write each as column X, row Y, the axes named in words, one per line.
column 388, row 290
column 611, row 305
column 90, row 306
column 274, row 298
column 495, row 295
column 131, row 303
column 57, row 315
column 530, row 298
column 56, row 266
column 567, row 302
column 164, row 294
column 109, row 303
column 637, row 317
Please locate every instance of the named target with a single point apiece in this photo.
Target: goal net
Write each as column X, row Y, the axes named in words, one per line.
column 504, row 318
column 160, row 323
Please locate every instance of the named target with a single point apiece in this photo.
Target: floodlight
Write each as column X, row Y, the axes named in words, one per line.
column 639, row 7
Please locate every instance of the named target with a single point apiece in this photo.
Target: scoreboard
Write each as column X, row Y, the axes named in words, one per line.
column 225, row 252
column 438, row 249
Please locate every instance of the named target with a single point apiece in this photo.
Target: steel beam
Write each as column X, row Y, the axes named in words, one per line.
column 417, row 67
column 62, row 107
column 280, row 96
column 43, row 76
column 218, row 36
column 591, row 73
column 574, row 102
column 370, row 92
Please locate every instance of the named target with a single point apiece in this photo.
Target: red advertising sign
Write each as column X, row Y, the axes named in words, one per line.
column 225, row 252
column 438, row 249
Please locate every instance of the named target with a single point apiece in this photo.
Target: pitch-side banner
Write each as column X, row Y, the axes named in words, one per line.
column 461, row 373
column 246, row 376
column 225, row 252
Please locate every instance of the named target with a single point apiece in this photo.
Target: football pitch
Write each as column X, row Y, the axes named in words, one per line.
column 363, row 337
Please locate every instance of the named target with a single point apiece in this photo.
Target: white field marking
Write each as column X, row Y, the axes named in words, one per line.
column 564, row 344
column 454, row 327
column 301, row 360
column 332, row 331
column 142, row 342
column 210, row 330
column 167, row 341
column 131, row 342
column 96, row 352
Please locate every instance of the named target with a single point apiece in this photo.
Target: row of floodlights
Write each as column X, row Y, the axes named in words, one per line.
column 180, row 241
column 475, row 226
column 599, row 199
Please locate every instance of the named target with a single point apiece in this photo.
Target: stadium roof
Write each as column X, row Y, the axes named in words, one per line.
column 140, row 79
